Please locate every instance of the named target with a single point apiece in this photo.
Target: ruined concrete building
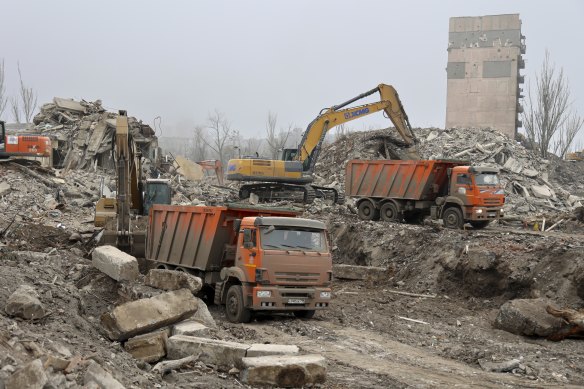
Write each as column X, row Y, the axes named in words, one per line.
column 483, row 72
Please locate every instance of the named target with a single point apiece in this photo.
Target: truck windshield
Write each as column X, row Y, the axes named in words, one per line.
column 293, row 238
column 487, row 179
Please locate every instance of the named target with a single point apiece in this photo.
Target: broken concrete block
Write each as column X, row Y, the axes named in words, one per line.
column 513, row 165
column 148, row 347
column 527, row 317
column 289, row 371
column 541, row 191
column 24, row 303
column 190, row 328
column 353, row 272
column 261, row 350
column 172, row 280
column 97, row 375
column 213, row 351
column 69, row 105
column 4, row 188
column 531, row 173
column 203, row 315
column 146, row 315
column 573, row 199
column 58, row 364
column 31, row 376
column 115, row 263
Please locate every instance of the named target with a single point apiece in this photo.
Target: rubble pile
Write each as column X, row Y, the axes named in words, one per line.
column 529, row 187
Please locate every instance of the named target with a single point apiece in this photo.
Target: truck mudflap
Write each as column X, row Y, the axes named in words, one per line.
column 278, row 298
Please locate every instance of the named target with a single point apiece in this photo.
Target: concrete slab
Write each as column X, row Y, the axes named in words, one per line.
column 146, row 315
column 260, row 350
column 541, row 191
column 97, row 375
column 527, row 317
column 212, row 351
column 115, row 263
column 172, row 280
column 284, row 370
column 69, row 105
column 513, row 165
column 148, row 347
column 191, row 328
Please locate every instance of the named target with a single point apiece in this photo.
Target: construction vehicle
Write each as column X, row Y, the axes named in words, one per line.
column 115, row 214
column 410, row 190
column 253, row 259
column 215, row 165
column 575, row 156
column 291, row 176
column 23, row 145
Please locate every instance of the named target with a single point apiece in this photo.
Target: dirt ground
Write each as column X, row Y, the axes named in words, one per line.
column 372, row 337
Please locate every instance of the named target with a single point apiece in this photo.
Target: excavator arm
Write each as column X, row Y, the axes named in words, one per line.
column 390, row 103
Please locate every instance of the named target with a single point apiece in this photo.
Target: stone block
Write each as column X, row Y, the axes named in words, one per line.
column 173, row 280
column 513, row 165
column 527, row 317
column 24, row 303
column 212, row 351
column 203, row 315
column 354, row 272
column 289, row 371
column 31, row 376
column 95, row 374
column 260, row 350
column 190, row 328
column 541, row 191
column 148, row 347
column 115, row 263
column 146, row 315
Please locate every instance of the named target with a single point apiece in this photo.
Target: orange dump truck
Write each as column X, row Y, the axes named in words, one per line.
column 251, row 258
column 410, row 190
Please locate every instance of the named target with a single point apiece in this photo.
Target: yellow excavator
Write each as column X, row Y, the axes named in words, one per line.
column 290, row 177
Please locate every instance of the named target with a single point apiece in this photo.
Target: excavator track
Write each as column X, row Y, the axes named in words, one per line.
column 298, row 193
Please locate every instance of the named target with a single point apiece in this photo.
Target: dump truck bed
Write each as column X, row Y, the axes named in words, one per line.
column 408, row 180
column 195, row 237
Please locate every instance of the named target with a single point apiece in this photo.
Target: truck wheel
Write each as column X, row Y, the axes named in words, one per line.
column 389, row 212
column 453, row 218
column 234, row 306
column 479, row 224
column 367, row 211
column 305, row 314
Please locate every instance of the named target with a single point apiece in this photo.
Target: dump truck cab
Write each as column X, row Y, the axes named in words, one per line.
column 282, row 264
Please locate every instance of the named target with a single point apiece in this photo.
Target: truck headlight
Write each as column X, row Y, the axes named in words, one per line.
column 479, row 211
column 325, row 295
column 264, row 293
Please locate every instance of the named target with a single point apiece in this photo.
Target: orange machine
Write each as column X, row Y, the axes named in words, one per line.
column 251, row 258
column 410, row 190
column 215, row 165
column 23, row 145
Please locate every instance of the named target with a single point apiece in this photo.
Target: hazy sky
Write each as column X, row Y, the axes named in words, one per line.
column 184, row 59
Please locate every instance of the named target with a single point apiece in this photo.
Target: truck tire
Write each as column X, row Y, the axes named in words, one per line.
column 479, row 224
column 452, row 218
column 389, row 212
column 367, row 211
column 235, row 310
column 305, row 314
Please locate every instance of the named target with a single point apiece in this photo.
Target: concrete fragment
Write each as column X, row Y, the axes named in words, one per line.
column 172, row 280
column 190, row 328
column 213, row 351
column 531, row 173
column 69, row 104
column 203, row 315
column 527, row 317
column 284, row 370
column 115, row 263
column 260, row 350
column 541, row 191
column 58, row 364
column 513, row 165
column 97, row 375
column 146, row 315
column 31, row 376
column 353, row 272
column 4, row 188
column 148, row 347
column 573, row 199
column 24, row 303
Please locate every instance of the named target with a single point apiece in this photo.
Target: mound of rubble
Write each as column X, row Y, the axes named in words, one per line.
column 529, row 187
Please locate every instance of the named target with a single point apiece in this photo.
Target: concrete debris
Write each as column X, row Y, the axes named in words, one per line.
column 25, row 303
column 173, row 280
column 289, row 371
column 31, row 376
column 146, row 315
column 191, row 328
column 261, row 349
column 97, row 375
column 527, row 317
column 501, row 367
column 4, row 188
column 352, row 272
column 542, row 191
column 203, row 315
column 217, row 352
column 115, row 263
column 148, row 347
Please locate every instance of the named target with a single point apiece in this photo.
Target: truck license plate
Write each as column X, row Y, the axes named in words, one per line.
column 295, row 301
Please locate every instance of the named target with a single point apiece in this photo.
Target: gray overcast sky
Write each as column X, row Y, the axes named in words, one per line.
column 184, row 59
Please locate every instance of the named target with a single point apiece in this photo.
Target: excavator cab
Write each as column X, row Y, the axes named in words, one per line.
column 289, row 154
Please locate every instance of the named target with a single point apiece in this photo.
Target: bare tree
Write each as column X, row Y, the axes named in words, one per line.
column 28, row 98
column 276, row 140
column 15, row 108
column 548, row 119
column 200, row 145
column 221, row 133
column 3, row 97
